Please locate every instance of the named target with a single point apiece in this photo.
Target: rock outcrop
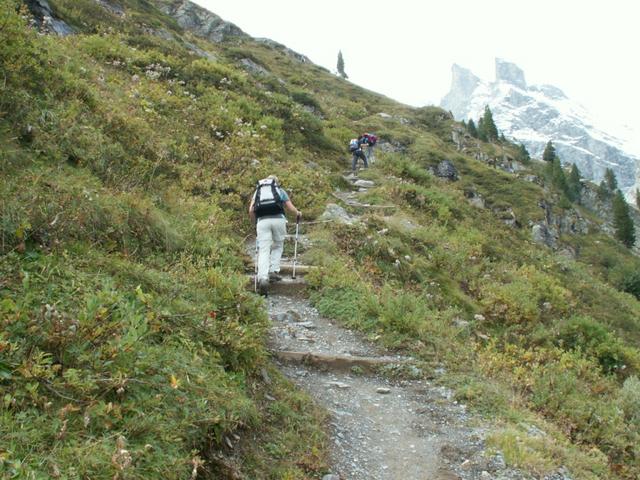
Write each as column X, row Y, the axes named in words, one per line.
column 554, row 225
column 200, row 21
column 46, row 20
column 286, row 50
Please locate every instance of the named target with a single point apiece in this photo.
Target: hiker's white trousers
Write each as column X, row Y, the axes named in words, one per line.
column 270, row 234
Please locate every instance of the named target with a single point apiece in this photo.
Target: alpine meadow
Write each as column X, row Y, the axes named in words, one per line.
column 132, row 344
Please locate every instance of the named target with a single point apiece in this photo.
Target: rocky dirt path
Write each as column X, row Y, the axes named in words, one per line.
column 382, row 427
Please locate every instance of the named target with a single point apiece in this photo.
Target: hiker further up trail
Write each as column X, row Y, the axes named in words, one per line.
column 370, row 141
column 267, row 209
column 355, row 147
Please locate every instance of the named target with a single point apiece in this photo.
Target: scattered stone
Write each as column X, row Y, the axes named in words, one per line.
column 289, row 316
column 540, row 234
column 446, row 170
column 200, row 52
column 252, row 67
column 497, row 462
column 340, row 385
column 460, row 323
column 384, row 115
column 307, row 325
column 331, row 477
column 475, row 199
column 383, row 390
column 485, row 474
column 534, row 431
column 112, row 7
column 478, row 317
column 507, row 216
column 27, row 134
column 364, row 183
column 337, row 214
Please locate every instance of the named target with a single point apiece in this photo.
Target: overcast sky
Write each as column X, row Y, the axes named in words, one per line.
column 405, row 49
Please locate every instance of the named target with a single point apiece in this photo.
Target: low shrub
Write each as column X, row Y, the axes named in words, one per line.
column 526, row 295
column 585, row 334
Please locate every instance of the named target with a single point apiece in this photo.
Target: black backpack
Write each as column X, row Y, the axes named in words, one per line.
column 267, row 201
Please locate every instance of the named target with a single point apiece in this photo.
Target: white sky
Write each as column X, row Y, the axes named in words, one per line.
column 405, row 49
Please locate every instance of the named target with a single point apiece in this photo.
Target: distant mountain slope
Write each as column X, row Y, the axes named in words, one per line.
column 535, row 114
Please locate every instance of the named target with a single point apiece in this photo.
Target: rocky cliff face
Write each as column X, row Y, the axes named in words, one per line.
column 45, row 19
column 200, row 21
column 535, row 114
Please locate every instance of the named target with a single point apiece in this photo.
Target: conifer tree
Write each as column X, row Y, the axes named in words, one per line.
column 622, row 223
column 574, row 185
column 491, row 131
column 482, row 131
column 558, row 178
column 549, row 153
column 341, row 71
column 471, row 128
column 603, row 191
column 523, row 154
column 610, row 180
column 637, row 198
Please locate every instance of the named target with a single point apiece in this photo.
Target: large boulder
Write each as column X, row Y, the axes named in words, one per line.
column 337, row 214
column 446, row 170
column 541, row 235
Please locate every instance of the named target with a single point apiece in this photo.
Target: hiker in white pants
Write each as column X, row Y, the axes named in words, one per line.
column 267, row 208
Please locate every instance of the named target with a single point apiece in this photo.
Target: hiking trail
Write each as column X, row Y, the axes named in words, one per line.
column 382, row 426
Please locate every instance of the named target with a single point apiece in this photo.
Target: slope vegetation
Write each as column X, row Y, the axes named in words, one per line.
column 129, row 346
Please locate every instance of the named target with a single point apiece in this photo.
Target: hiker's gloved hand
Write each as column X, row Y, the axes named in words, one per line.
column 298, row 216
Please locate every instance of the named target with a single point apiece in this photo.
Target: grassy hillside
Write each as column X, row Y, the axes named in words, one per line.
column 129, row 347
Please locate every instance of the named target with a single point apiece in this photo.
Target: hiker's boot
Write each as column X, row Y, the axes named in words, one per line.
column 263, row 287
column 274, row 277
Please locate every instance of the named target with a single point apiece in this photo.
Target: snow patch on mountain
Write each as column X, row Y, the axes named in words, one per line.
column 535, row 114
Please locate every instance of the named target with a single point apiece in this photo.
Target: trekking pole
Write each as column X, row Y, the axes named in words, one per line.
column 255, row 274
column 295, row 247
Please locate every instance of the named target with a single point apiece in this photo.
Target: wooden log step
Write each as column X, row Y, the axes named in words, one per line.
column 287, row 269
column 336, row 362
column 287, row 286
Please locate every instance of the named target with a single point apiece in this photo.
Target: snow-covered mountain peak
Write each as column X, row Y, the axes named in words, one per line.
column 535, row 114
column 510, row 73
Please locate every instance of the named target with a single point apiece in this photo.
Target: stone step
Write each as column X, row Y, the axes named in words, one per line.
column 287, row 286
column 364, row 183
column 336, row 362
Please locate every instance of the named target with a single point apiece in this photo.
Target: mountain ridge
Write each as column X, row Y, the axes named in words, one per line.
column 535, row 114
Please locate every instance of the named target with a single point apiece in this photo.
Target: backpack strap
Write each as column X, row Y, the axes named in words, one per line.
column 276, row 194
column 256, row 195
